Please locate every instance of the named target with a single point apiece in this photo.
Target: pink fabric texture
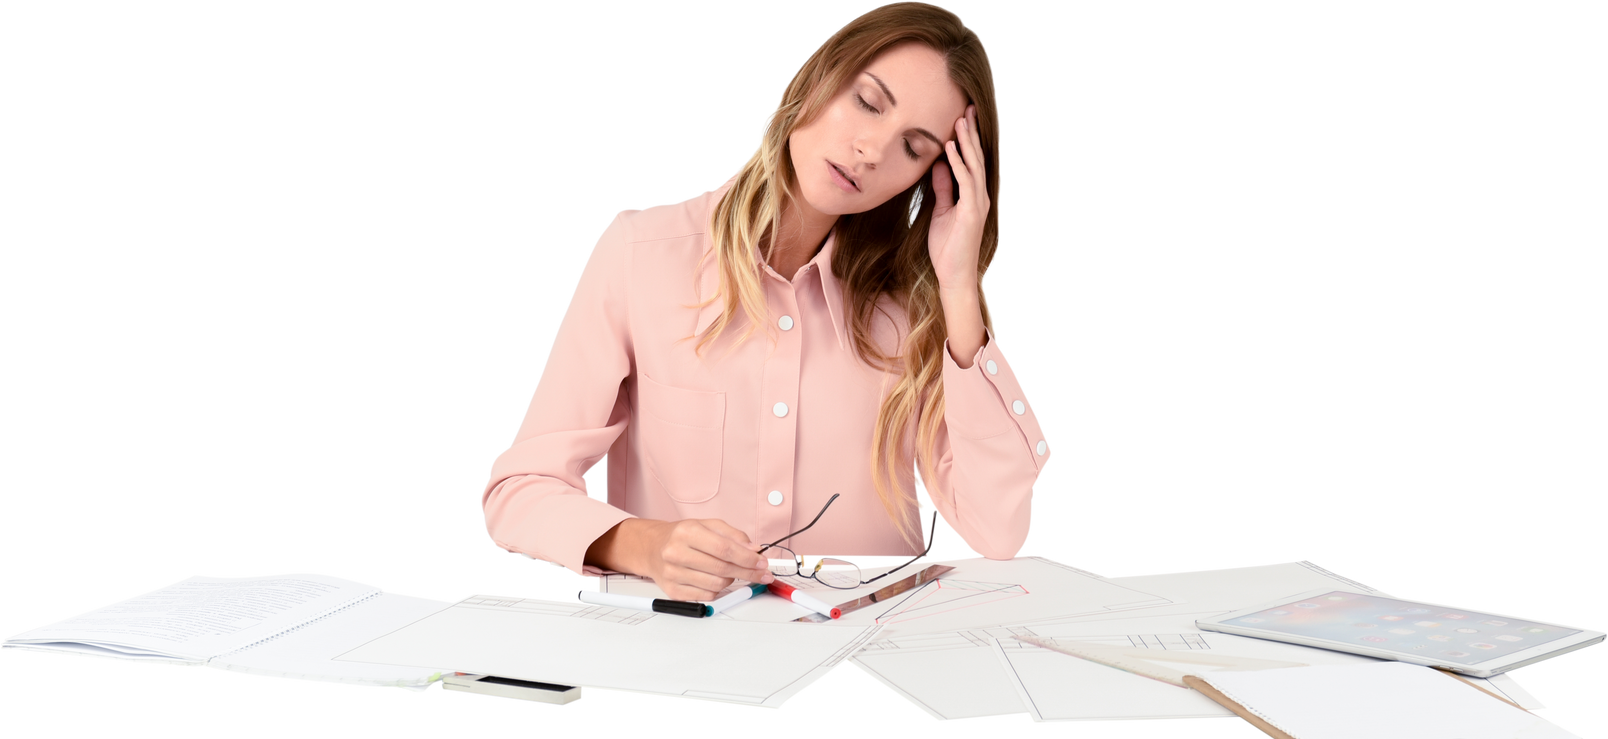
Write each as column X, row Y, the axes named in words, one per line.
column 758, row 434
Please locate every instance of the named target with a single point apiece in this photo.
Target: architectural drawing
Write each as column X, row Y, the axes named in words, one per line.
column 982, row 638
column 622, row 616
column 946, row 596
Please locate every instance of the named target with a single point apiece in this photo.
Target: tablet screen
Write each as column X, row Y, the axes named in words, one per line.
column 1450, row 635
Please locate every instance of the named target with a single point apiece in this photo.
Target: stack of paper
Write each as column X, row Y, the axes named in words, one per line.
column 949, row 646
column 989, row 637
column 284, row 626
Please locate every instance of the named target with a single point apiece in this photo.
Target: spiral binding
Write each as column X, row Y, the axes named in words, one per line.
column 313, row 620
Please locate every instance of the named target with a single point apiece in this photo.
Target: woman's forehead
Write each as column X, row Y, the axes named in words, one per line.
column 913, row 76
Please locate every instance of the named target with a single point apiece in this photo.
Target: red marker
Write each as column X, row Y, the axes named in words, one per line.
column 804, row 599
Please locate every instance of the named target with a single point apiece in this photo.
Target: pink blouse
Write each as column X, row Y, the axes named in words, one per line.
column 758, row 435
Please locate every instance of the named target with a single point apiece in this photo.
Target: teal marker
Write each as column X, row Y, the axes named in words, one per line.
column 736, row 596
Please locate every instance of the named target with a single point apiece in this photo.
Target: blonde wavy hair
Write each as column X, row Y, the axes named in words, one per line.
column 881, row 252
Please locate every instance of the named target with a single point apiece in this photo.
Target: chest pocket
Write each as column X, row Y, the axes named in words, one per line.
column 682, row 437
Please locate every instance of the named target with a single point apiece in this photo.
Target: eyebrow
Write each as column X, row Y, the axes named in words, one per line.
column 894, row 103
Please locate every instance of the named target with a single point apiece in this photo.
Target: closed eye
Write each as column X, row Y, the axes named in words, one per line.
column 908, row 151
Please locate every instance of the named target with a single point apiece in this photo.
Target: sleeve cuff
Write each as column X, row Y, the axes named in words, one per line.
column 558, row 528
column 985, row 400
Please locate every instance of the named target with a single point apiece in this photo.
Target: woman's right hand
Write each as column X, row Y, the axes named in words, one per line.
column 690, row 559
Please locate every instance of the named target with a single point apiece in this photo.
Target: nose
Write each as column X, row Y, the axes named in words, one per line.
column 868, row 154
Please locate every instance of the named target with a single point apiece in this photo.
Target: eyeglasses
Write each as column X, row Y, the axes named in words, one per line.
column 833, row 573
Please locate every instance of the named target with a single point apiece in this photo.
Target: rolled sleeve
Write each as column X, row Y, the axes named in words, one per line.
column 989, row 454
column 536, row 501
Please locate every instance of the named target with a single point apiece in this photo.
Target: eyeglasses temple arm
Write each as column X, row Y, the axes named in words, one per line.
column 931, row 538
column 807, row 527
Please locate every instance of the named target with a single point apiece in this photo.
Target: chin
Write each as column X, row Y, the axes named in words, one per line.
column 826, row 198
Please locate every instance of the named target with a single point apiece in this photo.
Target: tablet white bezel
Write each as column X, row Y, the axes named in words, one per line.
column 1487, row 668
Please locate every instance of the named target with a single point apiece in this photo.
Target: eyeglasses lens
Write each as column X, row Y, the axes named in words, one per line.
column 833, row 573
column 837, row 573
column 783, row 562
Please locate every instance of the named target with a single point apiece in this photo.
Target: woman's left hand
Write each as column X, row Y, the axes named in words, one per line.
column 957, row 228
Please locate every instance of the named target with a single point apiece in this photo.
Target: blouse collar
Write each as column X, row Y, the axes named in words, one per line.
column 820, row 265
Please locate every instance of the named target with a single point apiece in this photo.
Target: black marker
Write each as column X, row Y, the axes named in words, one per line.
column 691, row 609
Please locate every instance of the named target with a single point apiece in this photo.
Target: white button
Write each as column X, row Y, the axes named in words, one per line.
column 786, row 322
column 775, row 497
column 1042, row 447
column 993, row 369
column 1017, row 406
column 781, row 409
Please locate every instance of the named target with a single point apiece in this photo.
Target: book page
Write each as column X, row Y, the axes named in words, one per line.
column 307, row 652
column 198, row 618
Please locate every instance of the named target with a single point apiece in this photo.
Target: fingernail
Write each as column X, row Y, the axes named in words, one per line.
column 767, row 579
column 963, row 124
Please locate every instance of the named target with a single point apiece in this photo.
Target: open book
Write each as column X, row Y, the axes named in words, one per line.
column 284, row 626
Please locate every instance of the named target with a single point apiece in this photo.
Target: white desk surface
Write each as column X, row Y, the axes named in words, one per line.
column 52, row 691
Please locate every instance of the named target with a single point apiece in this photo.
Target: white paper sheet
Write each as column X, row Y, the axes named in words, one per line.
column 196, row 619
column 955, row 674
column 1384, row 700
column 1058, row 687
column 580, row 644
column 1541, row 691
column 978, row 593
column 308, row 652
column 1221, row 591
column 36, row 598
column 949, row 675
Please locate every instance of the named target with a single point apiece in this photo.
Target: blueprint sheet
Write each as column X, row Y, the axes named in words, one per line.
column 1059, row 687
column 958, row 674
column 579, row 644
column 1211, row 592
column 978, row 593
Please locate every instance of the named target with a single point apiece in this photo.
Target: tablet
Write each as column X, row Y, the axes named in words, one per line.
column 1469, row 642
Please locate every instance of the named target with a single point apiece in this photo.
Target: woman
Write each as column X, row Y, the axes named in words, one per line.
column 814, row 326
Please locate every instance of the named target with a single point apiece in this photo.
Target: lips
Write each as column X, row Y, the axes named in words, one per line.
column 845, row 175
